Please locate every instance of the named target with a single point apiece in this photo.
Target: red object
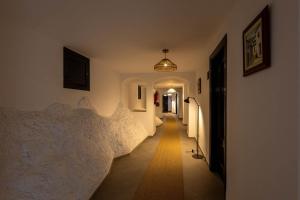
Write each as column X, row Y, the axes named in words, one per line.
column 156, row 98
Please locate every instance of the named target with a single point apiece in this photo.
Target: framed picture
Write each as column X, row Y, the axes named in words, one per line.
column 256, row 43
column 199, row 85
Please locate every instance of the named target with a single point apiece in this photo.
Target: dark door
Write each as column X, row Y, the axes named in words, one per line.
column 176, row 104
column 218, row 109
column 165, row 106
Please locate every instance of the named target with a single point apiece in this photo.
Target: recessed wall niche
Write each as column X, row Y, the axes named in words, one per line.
column 137, row 97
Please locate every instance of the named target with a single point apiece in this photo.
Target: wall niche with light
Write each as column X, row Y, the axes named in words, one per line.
column 137, row 97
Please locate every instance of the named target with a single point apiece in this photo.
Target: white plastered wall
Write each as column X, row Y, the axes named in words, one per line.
column 31, row 75
column 146, row 117
column 261, row 114
column 150, row 79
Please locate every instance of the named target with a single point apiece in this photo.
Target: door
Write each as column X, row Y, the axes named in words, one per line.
column 218, row 109
column 176, row 104
column 165, row 106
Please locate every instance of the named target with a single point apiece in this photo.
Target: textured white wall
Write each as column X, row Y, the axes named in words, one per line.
column 262, row 108
column 31, row 75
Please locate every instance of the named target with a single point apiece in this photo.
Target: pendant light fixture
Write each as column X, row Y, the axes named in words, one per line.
column 165, row 65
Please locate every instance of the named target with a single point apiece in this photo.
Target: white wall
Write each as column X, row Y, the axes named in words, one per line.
column 174, row 104
column 203, row 99
column 146, row 117
column 134, row 102
column 150, row 79
column 261, row 113
column 31, row 75
column 180, row 102
column 191, row 131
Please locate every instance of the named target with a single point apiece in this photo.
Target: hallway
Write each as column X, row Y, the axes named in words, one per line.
column 84, row 86
column 161, row 167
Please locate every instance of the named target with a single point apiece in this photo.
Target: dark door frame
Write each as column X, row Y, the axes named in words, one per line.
column 176, row 103
column 164, row 100
column 212, row 165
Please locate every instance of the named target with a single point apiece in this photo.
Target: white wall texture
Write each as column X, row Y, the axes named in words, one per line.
column 148, row 118
column 32, row 74
column 135, row 103
column 261, row 113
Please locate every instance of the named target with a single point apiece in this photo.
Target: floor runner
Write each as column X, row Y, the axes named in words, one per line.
column 163, row 180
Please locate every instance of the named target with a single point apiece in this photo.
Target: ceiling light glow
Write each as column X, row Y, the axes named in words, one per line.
column 165, row 65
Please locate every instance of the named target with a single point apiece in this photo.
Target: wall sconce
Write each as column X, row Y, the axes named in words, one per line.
column 197, row 155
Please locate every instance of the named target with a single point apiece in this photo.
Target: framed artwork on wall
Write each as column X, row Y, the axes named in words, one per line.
column 199, row 85
column 256, row 44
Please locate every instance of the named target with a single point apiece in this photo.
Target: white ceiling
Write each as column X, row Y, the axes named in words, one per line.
column 127, row 35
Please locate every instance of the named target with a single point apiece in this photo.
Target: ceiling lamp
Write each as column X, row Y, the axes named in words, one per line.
column 165, row 65
column 171, row 90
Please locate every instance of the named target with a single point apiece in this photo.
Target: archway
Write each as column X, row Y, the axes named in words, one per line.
column 151, row 82
column 182, row 86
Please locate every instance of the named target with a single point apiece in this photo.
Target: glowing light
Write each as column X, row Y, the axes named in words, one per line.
column 171, row 90
column 165, row 65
